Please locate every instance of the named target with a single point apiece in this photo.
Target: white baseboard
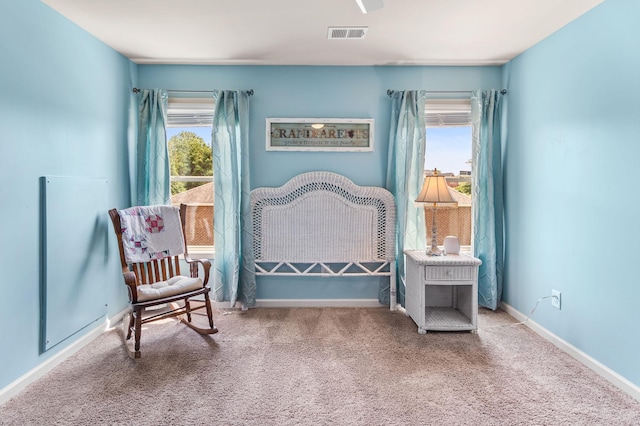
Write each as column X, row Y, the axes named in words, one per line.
column 595, row 365
column 15, row 387
column 318, row 303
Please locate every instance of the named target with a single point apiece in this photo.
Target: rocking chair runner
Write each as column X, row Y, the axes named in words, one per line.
column 157, row 281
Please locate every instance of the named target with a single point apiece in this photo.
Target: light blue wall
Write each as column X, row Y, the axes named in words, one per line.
column 572, row 162
column 64, row 110
column 573, row 134
column 326, row 92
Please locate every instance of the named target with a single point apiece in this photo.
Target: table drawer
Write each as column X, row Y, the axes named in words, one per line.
column 449, row 273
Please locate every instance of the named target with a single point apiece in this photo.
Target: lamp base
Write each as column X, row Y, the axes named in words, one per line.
column 434, row 251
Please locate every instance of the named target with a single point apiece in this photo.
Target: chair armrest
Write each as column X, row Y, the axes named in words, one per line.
column 131, row 280
column 193, row 268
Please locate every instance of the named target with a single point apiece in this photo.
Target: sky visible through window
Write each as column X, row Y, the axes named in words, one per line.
column 448, row 149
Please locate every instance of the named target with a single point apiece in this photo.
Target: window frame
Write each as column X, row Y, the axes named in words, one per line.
column 449, row 112
column 189, row 112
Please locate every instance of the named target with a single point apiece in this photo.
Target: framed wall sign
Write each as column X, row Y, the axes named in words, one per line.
column 320, row 134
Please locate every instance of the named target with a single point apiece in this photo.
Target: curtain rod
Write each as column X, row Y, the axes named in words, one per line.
column 136, row 90
column 391, row 92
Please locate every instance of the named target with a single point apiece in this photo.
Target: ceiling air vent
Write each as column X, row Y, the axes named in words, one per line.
column 347, row 33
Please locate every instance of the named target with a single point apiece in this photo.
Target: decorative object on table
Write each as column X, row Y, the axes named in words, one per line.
column 435, row 192
column 451, row 245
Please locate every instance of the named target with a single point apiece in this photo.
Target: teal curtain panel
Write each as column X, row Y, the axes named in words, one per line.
column 234, row 266
column 488, row 204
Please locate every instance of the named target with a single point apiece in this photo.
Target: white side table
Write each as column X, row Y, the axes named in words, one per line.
column 442, row 291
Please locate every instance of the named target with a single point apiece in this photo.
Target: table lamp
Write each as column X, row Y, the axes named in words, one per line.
column 435, row 192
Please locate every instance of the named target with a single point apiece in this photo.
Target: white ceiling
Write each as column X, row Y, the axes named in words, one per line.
column 294, row 32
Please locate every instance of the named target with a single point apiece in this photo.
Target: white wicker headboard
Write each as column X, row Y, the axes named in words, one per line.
column 322, row 224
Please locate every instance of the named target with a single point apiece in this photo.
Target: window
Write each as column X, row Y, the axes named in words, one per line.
column 189, row 123
column 448, row 149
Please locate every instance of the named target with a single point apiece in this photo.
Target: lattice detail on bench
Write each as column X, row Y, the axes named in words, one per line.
column 322, row 224
column 323, row 269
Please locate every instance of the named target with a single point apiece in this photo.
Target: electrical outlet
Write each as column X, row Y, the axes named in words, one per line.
column 556, row 299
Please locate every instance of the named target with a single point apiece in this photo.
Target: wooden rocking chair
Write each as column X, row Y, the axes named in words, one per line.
column 159, row 282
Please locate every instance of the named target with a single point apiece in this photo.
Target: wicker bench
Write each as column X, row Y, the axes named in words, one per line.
column 322, row 224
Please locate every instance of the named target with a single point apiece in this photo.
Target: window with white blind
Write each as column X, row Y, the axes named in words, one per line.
column 448, row 149
column 448, row 113
column 189, row 125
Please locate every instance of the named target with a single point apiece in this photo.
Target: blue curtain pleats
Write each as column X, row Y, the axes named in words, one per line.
column 152, row 183
column 405, row 172
column 234, row 265
column 488, row 203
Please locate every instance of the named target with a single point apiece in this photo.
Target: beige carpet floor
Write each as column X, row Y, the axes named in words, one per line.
column 325, row 366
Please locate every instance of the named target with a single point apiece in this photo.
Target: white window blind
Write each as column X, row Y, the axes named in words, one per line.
column 448, row 112
column 190, row 112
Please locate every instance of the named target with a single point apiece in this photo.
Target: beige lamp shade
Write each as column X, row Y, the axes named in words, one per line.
column 435, row 191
